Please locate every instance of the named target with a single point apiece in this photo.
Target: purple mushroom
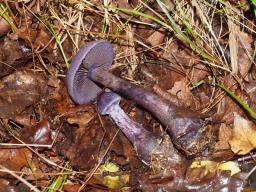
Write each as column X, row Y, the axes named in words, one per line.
column 186, row 128
column 89, row 70
column 143, row 141
column 98, row 54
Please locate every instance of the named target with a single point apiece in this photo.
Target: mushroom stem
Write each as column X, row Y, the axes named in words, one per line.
column 152, row 102
column 135, row 133
column 152, row 150
column 184, row 126
column 143, row 140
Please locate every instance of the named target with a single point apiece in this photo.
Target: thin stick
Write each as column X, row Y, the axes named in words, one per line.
column 5, row 170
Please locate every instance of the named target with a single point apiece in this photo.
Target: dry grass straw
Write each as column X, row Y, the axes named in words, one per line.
column 21, row 179
column 233, row 41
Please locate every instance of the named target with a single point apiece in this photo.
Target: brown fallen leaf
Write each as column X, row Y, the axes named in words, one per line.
column 82, row 120
column 24, row 119
column 243, row 138
column 4, row 135
column 166, row 95
column 14, row 55
column 199, row 72
column 224, row 135
column 59, row 95
column 43, row 39
column 181, row 90
column 176, row 53
column 20, row 90
column 162, row 76
column 3, row 184
column 156, row 38
column 14, row 159
column 244, row 53
column 84, row 145
column 228, row 105
column 4, row 27
column 40, row 134
column 124, row 4
column 71, row 187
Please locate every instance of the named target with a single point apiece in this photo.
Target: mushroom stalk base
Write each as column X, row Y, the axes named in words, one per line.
column 143, row 141
column 184, row 126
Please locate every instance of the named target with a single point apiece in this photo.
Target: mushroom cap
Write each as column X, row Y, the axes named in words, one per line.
column 94, row 54
column 107, row 100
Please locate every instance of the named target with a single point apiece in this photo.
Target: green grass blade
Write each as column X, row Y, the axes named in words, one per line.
column 239, row 100
column 4, row 13
column 197, row 84
column 58, row 182
column 175, row 28
column 55, row 35
column 137, row 8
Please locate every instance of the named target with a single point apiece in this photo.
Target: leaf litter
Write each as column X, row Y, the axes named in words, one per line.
column 169, row 47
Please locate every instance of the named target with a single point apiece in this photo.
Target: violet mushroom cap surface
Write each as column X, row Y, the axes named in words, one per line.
column 105, row 103
column 94, row 54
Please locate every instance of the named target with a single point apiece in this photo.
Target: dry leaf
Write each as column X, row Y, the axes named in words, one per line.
column 212, row 166
column 82, row 120
column 14, row 159
column 43, row 39
column 13, row 56
column 230, row 166
column 243, row 138
column 4, row 27
column 181, row 90
column 176, row 53
column 244, row 52
column 20, row 90
column 156, row 38
column 224, row 136
column 199, row 72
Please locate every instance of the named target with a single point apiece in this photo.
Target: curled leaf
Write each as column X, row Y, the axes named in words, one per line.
column 113, row 182
column 212, row 166
column 243, row 138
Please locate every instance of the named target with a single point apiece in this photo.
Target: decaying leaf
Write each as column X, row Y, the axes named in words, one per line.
column 82, row 120
column 111, row 181
column 20, row 90
column 176, row 53
column 42, row 39
column 199, row 72
column 244, row 53
column 181, row 90
column 230, row 166
column 83, row 145
column 224, row 135
column 243, row 138
column 156, row 38
column 40, row 134
column 14, row 159
column 212, row 166
column 14, row 55
column 228, row 105
column 4, row 27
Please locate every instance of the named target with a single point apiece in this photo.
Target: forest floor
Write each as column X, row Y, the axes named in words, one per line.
column 198, row 56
